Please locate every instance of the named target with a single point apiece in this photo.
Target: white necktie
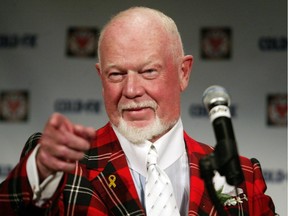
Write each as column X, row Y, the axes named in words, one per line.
column 159, row 198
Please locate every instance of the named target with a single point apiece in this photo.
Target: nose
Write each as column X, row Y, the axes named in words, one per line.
column 133, row 86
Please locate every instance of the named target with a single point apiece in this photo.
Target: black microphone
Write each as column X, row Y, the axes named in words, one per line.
column 217, row 102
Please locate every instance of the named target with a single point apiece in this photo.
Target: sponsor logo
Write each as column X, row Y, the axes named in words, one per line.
column 198, row 110
column 82, row 42
column 15, row 41
column 77, row 106
column 216, row 43
column 273, row 43
column 277, row 110
column 14, row 106
column 274, row 176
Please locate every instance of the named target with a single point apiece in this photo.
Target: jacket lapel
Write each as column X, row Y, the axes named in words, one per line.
column 199, row 203
column 110, row 175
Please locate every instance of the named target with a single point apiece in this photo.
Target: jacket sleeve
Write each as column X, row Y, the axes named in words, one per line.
column 15, row 192
column 262, row 204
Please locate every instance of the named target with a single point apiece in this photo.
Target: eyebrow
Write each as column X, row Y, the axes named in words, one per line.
column 149, row 62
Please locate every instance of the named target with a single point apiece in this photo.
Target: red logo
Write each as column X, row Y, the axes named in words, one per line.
column 277, row 110
column 216, row 43
column 14, row 106
column 82, row 42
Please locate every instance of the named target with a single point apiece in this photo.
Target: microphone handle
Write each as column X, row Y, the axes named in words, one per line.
column 226, row 151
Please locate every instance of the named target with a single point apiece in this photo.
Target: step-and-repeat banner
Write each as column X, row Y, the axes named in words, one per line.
column 48, row 56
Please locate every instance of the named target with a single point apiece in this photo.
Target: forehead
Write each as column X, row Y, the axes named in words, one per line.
column 135, row 37
column 137, row 19
column 135, row 27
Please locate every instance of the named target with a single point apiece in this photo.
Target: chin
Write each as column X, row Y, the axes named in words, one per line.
column 139, row 131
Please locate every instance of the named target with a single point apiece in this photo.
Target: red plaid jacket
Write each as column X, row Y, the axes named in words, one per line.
column 90, row 191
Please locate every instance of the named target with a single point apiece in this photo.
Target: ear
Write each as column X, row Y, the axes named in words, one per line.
column 185, row 71
column 97, row 66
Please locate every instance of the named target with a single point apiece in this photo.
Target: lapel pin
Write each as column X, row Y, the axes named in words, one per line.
column 112, row 179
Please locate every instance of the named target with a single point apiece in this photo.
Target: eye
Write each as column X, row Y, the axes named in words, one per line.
column 150, row 73
column 116, row 76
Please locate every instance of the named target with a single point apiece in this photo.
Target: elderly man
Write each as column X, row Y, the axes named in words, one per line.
column 142, row 162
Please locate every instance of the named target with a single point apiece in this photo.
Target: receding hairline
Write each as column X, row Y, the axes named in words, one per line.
column 166, row 21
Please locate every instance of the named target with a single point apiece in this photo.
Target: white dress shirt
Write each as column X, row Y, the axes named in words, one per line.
column 172, row 159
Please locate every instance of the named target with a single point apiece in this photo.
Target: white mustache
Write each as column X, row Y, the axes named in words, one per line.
column 138, row 105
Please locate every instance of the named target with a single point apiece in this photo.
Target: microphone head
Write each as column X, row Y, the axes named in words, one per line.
column 215, row 95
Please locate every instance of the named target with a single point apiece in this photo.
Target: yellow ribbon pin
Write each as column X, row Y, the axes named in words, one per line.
column 112, row 179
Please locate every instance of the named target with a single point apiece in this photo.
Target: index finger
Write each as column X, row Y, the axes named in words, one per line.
column 87, row 133
column 59, row 121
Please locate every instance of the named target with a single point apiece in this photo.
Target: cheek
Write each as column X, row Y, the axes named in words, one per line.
column 168, row 95
column 171, row 87
column 111, row 95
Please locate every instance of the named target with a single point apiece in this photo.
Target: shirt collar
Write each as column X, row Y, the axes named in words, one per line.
column 137, row 154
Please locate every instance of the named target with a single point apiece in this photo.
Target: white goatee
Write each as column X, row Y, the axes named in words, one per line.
column 138, row 135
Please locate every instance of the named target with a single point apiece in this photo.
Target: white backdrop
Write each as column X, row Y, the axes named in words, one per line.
column 33, row 59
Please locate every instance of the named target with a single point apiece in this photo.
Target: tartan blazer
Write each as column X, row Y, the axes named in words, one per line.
column 102, row 184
